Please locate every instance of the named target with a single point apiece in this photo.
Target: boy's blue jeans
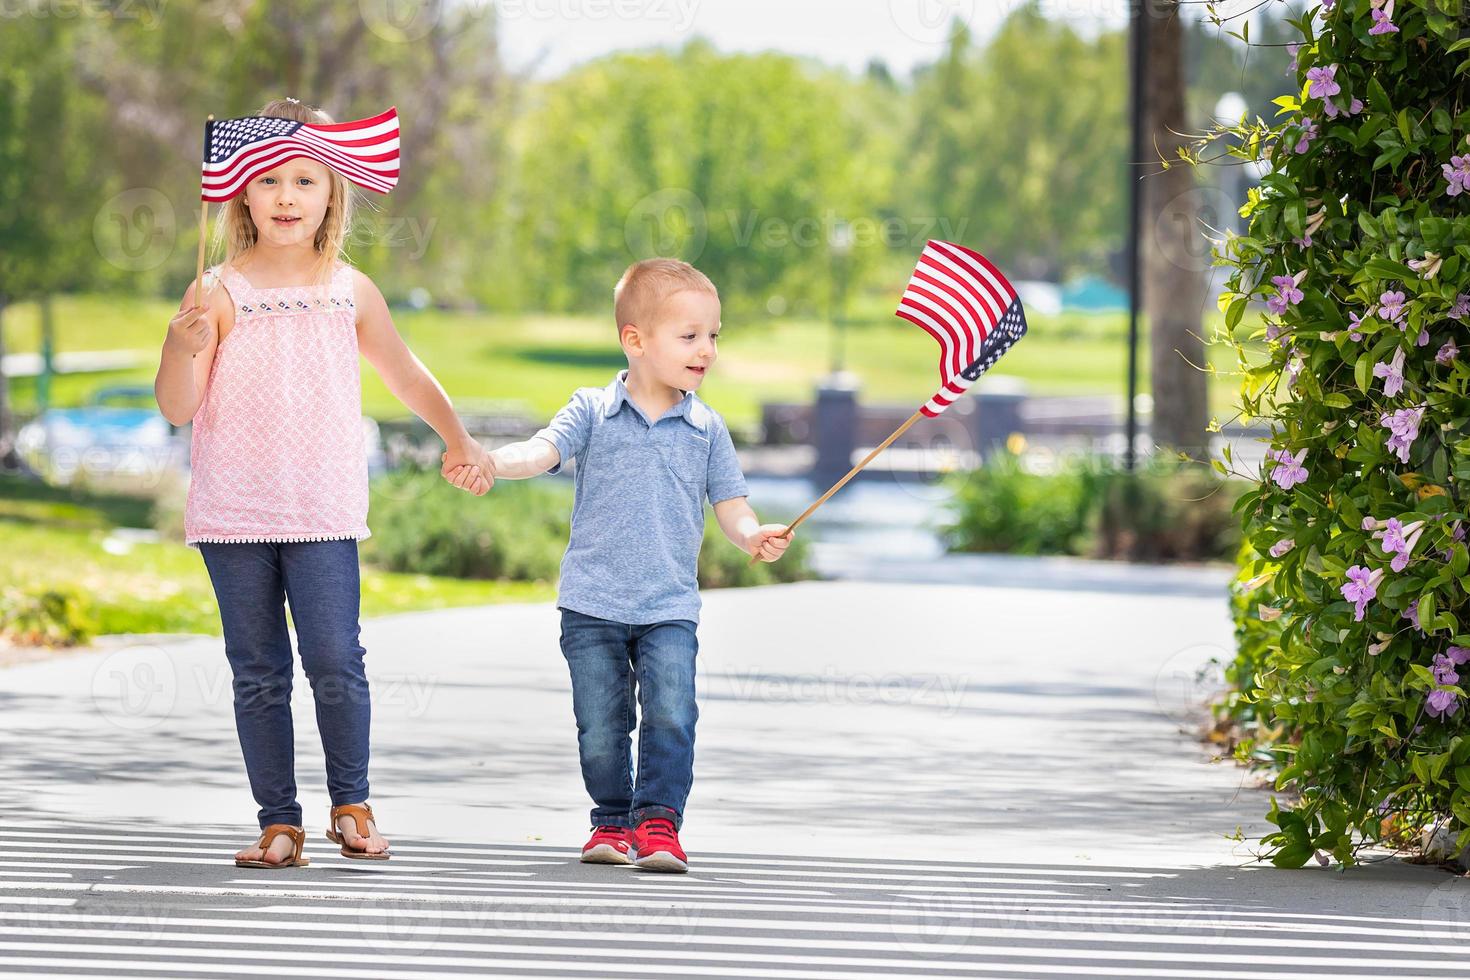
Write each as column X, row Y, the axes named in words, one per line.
column 252, row 582
column 612, row 664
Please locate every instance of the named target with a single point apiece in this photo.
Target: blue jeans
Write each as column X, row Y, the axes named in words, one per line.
column 612, row 664
column 252, row 582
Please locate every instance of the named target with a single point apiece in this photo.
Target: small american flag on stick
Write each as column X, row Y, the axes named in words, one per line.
column 962, row 301
column 236, row 151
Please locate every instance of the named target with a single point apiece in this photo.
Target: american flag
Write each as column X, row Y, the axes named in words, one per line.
column 963, row 302
column 236, row 151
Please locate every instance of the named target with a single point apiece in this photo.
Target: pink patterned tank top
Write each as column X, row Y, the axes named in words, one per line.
column 279, row 452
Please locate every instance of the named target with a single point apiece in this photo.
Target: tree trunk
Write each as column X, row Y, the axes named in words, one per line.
column 1173, row 260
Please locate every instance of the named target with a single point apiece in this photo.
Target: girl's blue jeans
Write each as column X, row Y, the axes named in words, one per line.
column 252, row 583
column 619, row 670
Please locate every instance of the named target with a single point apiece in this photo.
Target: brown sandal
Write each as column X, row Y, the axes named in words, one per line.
column 268, row 835
column 360, row 813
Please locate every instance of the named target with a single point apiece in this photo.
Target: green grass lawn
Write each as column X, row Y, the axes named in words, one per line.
column 537, row 360
column 51, row 538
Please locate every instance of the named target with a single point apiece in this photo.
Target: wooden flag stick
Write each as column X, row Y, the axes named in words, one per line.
column 203, row 227
column 850, row 474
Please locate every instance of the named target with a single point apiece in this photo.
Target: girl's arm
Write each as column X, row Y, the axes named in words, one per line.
column 188, row 354
column 411, row 383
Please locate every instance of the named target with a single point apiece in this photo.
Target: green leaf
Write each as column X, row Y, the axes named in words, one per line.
column 1363, row 372
column 1378, row 98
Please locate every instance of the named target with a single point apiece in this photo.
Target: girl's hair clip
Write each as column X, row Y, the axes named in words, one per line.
column 293, row 101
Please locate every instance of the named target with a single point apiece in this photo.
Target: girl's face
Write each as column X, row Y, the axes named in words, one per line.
column 289, row 203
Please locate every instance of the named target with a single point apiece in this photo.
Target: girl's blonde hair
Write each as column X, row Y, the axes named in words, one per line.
column 236, row 231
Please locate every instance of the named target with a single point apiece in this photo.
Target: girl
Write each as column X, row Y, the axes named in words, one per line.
column 266, row 367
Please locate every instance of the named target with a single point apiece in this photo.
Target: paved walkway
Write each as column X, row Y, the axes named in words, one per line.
column 892, row 780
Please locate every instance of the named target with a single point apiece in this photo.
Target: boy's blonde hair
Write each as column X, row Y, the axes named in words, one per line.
column 648, row 283
column 237, row 232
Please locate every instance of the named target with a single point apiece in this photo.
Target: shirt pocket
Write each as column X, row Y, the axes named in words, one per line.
column 688, row 458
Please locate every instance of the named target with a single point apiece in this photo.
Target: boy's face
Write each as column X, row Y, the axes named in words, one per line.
column 678, row 347
column 289, row 203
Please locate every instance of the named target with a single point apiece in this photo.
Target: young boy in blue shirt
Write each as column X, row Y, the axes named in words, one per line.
column 648, row 453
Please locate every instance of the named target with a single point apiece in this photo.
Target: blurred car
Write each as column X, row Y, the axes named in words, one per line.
column 120, row 441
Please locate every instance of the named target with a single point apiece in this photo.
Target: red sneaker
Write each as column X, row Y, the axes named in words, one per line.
column 608, row 845
column 656, row 846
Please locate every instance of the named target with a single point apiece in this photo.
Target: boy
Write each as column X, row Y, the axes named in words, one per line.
column 648, row 453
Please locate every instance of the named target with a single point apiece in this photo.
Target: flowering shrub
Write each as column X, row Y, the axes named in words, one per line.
column 1351, row 606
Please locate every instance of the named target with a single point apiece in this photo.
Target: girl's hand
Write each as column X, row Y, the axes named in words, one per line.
column 468, row 467
column 190, row 331
column 767, row 542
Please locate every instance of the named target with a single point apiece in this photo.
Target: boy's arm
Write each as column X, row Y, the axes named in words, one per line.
column 746, row 531
column 412, row 383
column 522, row 460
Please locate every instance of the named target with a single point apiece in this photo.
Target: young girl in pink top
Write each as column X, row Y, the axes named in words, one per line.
column 264, row 361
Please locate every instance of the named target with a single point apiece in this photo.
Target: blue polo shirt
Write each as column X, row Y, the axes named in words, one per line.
column 638, row 514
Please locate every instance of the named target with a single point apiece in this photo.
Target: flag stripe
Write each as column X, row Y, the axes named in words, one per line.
column 943, row 316
column 961, row 300
column 225, row 171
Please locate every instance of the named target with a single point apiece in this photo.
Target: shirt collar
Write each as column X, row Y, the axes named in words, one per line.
column 688, row 408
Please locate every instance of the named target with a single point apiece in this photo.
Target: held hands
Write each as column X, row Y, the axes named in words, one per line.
column 767, row 542
column 191, row 330
column 469, row 467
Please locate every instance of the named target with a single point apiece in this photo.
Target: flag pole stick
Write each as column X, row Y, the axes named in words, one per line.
column 203, row 226
column 850, row 474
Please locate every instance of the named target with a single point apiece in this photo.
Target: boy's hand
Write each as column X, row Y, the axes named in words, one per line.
column 468, row 467
column 768, row 542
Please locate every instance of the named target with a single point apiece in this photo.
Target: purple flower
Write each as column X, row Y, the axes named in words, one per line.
column 1461, row 308
column 1391, row 307
column 1282, row 547
column 1392, row 373
column 1444, row 670
column 1381, row 24
column 1458, row 655
column 1355, row 322
column 1441, row 704
column 1391, row 535
column 1309, row 133
column 1324, row 82
column 1404, row 428
column 1287, row 292
column 1457, row 172
column 1332, row 109
column 1292, row 50
column 1423, row 337
column 1288, row 471
column 1411, row 613
column 1360, row 588
column 1447, row 353
column 1328, row 4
